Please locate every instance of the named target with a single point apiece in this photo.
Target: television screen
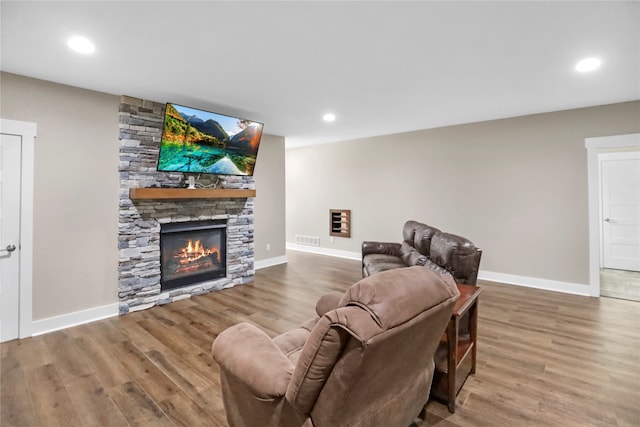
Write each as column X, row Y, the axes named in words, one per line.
column 197, row 141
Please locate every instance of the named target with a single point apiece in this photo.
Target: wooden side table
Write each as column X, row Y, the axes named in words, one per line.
column 456, row 355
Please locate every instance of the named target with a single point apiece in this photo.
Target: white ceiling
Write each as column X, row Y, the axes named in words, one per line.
column 381, row 67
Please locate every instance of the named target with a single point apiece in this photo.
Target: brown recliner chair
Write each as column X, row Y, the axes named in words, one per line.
column 367, row 361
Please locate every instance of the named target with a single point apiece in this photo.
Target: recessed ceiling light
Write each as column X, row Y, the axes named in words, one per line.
column 81, row 45
column 329, row 117
column 588, row 64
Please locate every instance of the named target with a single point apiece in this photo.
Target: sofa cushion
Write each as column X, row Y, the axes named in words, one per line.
column 417, row 294
column 315, row 361
column 416, row 258
column 422, row 238
column 387, row 248
column 409, row 231
column 291, row 342
column 376, row 258
column 435, row 267
column 410, row 256
column 446, row 246
column 328, row 302
column 375, row 263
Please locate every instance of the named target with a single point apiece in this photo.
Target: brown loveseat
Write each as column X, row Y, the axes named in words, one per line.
column 366, row 361
column 427, row 246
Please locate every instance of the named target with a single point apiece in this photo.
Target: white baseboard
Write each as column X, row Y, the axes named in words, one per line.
column 269, row 262
column 76, row 318
column 537, row 283
column 325, row 251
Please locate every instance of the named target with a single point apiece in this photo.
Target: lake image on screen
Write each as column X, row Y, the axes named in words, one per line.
column 195, row 141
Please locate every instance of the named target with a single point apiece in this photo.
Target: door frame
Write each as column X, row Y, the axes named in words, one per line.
column 594, row 146
column 27, row 132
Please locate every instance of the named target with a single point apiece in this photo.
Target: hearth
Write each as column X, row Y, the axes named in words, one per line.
column 192, row 252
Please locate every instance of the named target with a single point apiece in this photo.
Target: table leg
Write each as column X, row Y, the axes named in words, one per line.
column 452, row 344
column 473, row 331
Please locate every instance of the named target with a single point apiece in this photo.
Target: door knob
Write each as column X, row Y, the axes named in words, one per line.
column 10, row 248
column 610, row 220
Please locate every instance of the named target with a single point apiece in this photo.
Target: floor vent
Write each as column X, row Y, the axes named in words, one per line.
column 307, row 240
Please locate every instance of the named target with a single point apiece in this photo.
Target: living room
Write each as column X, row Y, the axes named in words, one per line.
column 516, row 185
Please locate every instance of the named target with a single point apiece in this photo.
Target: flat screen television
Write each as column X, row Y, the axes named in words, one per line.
column 201, row 142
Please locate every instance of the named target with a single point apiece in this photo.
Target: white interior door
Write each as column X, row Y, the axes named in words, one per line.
column 10, row 172
column 620, row 195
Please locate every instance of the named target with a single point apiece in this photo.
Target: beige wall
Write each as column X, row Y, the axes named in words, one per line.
column 76, row 193
column 270, row 199
column 516, row 187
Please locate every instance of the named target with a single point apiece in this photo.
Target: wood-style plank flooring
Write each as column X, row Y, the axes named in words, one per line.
column 544, row 358
column 621, row 284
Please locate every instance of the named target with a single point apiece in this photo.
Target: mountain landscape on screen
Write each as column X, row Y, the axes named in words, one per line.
column 197, row 141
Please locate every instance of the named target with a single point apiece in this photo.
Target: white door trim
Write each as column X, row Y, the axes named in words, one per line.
column 594, row 146
column 27, row 131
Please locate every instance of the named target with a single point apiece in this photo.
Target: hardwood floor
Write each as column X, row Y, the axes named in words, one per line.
column 544, row 358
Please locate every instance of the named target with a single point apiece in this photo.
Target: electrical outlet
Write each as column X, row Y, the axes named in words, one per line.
column 268, row 246
column 331, row 239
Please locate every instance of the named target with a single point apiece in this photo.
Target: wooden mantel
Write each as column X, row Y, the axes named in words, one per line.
column 185, row 193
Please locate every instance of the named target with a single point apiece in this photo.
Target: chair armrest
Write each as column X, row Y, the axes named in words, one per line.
column 248, row 354
column 384, row 248
column 328, row 302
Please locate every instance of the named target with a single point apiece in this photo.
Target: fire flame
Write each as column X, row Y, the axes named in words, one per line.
column 193, row 252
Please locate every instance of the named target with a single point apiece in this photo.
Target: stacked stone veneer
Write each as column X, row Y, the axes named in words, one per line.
column 139, row 221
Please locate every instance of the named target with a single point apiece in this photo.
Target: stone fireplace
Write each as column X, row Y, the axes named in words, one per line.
column 144, row 222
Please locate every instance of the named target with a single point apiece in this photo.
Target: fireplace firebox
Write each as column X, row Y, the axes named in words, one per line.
column 192, row 252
